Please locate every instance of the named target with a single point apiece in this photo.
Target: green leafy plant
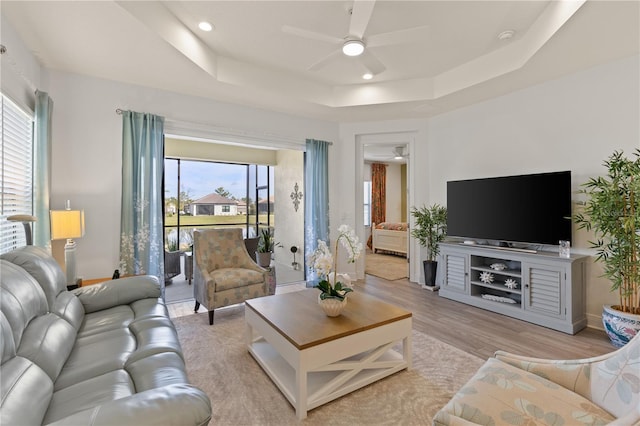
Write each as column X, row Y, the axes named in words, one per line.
column 612, row 211
column 267, row 244
column 431, row 227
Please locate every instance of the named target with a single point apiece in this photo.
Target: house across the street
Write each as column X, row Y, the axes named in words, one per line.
column 214, row 205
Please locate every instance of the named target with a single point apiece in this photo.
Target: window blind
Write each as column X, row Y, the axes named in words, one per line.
column 16, row 173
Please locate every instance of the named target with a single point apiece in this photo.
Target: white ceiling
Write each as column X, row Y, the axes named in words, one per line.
column 447, row 57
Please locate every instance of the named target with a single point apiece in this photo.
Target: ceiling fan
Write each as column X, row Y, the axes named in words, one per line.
column 400, row 153
column 355, row 43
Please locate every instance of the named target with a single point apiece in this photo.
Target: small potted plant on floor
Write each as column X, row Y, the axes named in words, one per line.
column 612, row 212
column 430, row 230
column 266, row 245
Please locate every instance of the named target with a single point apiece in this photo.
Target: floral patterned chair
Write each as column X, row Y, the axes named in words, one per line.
column 515, row 390
column 223, row 272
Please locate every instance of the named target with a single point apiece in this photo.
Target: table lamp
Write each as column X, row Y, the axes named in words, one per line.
column 26, row 220
column 68, row 224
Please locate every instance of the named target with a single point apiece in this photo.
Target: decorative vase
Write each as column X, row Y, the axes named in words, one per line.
column 620, row 326
column 332, row 306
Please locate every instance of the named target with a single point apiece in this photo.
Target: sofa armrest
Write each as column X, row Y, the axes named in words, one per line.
column 169, row 405
column 117, row 292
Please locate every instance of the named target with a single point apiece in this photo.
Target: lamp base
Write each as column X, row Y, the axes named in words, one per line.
column 70, row 262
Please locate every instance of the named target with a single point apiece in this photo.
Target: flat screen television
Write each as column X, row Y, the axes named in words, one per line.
column 529, row 209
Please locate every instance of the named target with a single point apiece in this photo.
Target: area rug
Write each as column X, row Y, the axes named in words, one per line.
column 242, row 394
column 386, row 266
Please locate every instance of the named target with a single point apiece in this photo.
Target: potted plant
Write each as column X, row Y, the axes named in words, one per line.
column 333, row 286
column 430, row 230
column 266, row 245
column 612, row 212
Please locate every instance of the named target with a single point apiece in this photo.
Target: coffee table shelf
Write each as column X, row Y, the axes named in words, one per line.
column 311, row 373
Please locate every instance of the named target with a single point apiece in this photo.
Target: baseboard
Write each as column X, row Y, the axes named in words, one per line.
column 594, row 321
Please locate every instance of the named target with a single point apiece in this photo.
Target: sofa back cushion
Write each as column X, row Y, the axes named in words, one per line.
column 46, row 271
column 38, row 335
column 25, row 388
column 21, row 299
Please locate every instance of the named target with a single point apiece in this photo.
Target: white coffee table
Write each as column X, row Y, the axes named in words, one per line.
column 314, row 359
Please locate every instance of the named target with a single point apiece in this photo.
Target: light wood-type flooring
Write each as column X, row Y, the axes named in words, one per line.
column 473, row 330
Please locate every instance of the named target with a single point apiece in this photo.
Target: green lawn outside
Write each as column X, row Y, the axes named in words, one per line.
column 194, row 221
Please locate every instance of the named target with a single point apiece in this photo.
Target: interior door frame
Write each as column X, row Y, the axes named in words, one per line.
column 407, row 138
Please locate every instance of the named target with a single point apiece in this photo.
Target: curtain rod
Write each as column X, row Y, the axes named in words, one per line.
column 120, row 111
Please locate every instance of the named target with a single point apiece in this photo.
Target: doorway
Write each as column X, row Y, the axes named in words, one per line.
column 393, row 149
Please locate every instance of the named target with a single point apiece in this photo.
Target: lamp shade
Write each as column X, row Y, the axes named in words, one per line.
column 67, row 224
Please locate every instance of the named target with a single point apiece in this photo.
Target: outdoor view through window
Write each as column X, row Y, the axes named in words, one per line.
column 206, row 194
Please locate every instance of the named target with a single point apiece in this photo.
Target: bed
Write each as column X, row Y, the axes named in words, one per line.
column 390, row 237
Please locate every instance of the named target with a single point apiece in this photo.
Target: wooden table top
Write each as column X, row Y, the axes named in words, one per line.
column 298, row 317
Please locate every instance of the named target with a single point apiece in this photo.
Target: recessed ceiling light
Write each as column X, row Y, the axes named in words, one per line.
column 353, row 47
column 205, row 26
column 506, row 35
column 367, row 76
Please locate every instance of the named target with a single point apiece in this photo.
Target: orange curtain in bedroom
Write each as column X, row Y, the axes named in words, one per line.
column 378, row 194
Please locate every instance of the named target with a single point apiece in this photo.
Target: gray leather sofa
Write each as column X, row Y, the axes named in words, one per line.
column 106, row 354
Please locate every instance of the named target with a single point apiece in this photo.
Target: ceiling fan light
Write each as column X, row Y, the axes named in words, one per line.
column 205, row 26
column 367, row 76
column 353, row 47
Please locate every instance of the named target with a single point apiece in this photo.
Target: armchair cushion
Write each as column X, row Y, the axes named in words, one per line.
column 230, row 278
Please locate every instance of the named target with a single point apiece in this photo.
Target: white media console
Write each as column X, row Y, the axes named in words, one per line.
column 542, row 287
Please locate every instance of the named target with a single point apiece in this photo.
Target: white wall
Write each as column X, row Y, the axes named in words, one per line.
column 289, row 222
column 572, row 123
column 87, row 148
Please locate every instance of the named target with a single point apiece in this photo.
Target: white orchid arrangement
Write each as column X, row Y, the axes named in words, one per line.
column 332, row 284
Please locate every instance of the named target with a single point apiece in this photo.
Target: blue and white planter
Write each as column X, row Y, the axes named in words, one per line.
column 620, row 326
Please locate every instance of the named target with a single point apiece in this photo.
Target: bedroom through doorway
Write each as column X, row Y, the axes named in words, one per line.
column 385, row 190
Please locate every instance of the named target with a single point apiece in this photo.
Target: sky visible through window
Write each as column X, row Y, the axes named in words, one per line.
column 200, row 178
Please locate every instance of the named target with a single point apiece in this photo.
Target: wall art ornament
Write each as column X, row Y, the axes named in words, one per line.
column 296, row 196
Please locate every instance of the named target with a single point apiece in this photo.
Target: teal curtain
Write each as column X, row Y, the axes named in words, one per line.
column 141, row 236
column 42, row 170
column 316, row 208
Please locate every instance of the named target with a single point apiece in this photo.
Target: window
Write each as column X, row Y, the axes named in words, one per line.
column 16, row 176
column 215, row 195
column 367, row 203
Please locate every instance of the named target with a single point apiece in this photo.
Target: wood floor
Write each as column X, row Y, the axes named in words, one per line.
column 470, row 329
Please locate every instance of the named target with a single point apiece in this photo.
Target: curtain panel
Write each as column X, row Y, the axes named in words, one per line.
column 141, row 219
column 316, row 199
column 378, row 195
column 42, row 170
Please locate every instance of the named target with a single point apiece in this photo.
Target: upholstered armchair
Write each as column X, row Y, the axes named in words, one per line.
column 223, row 272
column 513, row 389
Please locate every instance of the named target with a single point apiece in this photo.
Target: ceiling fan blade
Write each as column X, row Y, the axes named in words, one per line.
column 311, row 35
column 360, row 16
column 372, row 63
column 324, row 61
column 406, row 36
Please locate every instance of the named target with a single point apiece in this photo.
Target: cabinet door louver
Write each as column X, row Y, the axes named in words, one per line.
column 545, row 290
column 455, row 272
